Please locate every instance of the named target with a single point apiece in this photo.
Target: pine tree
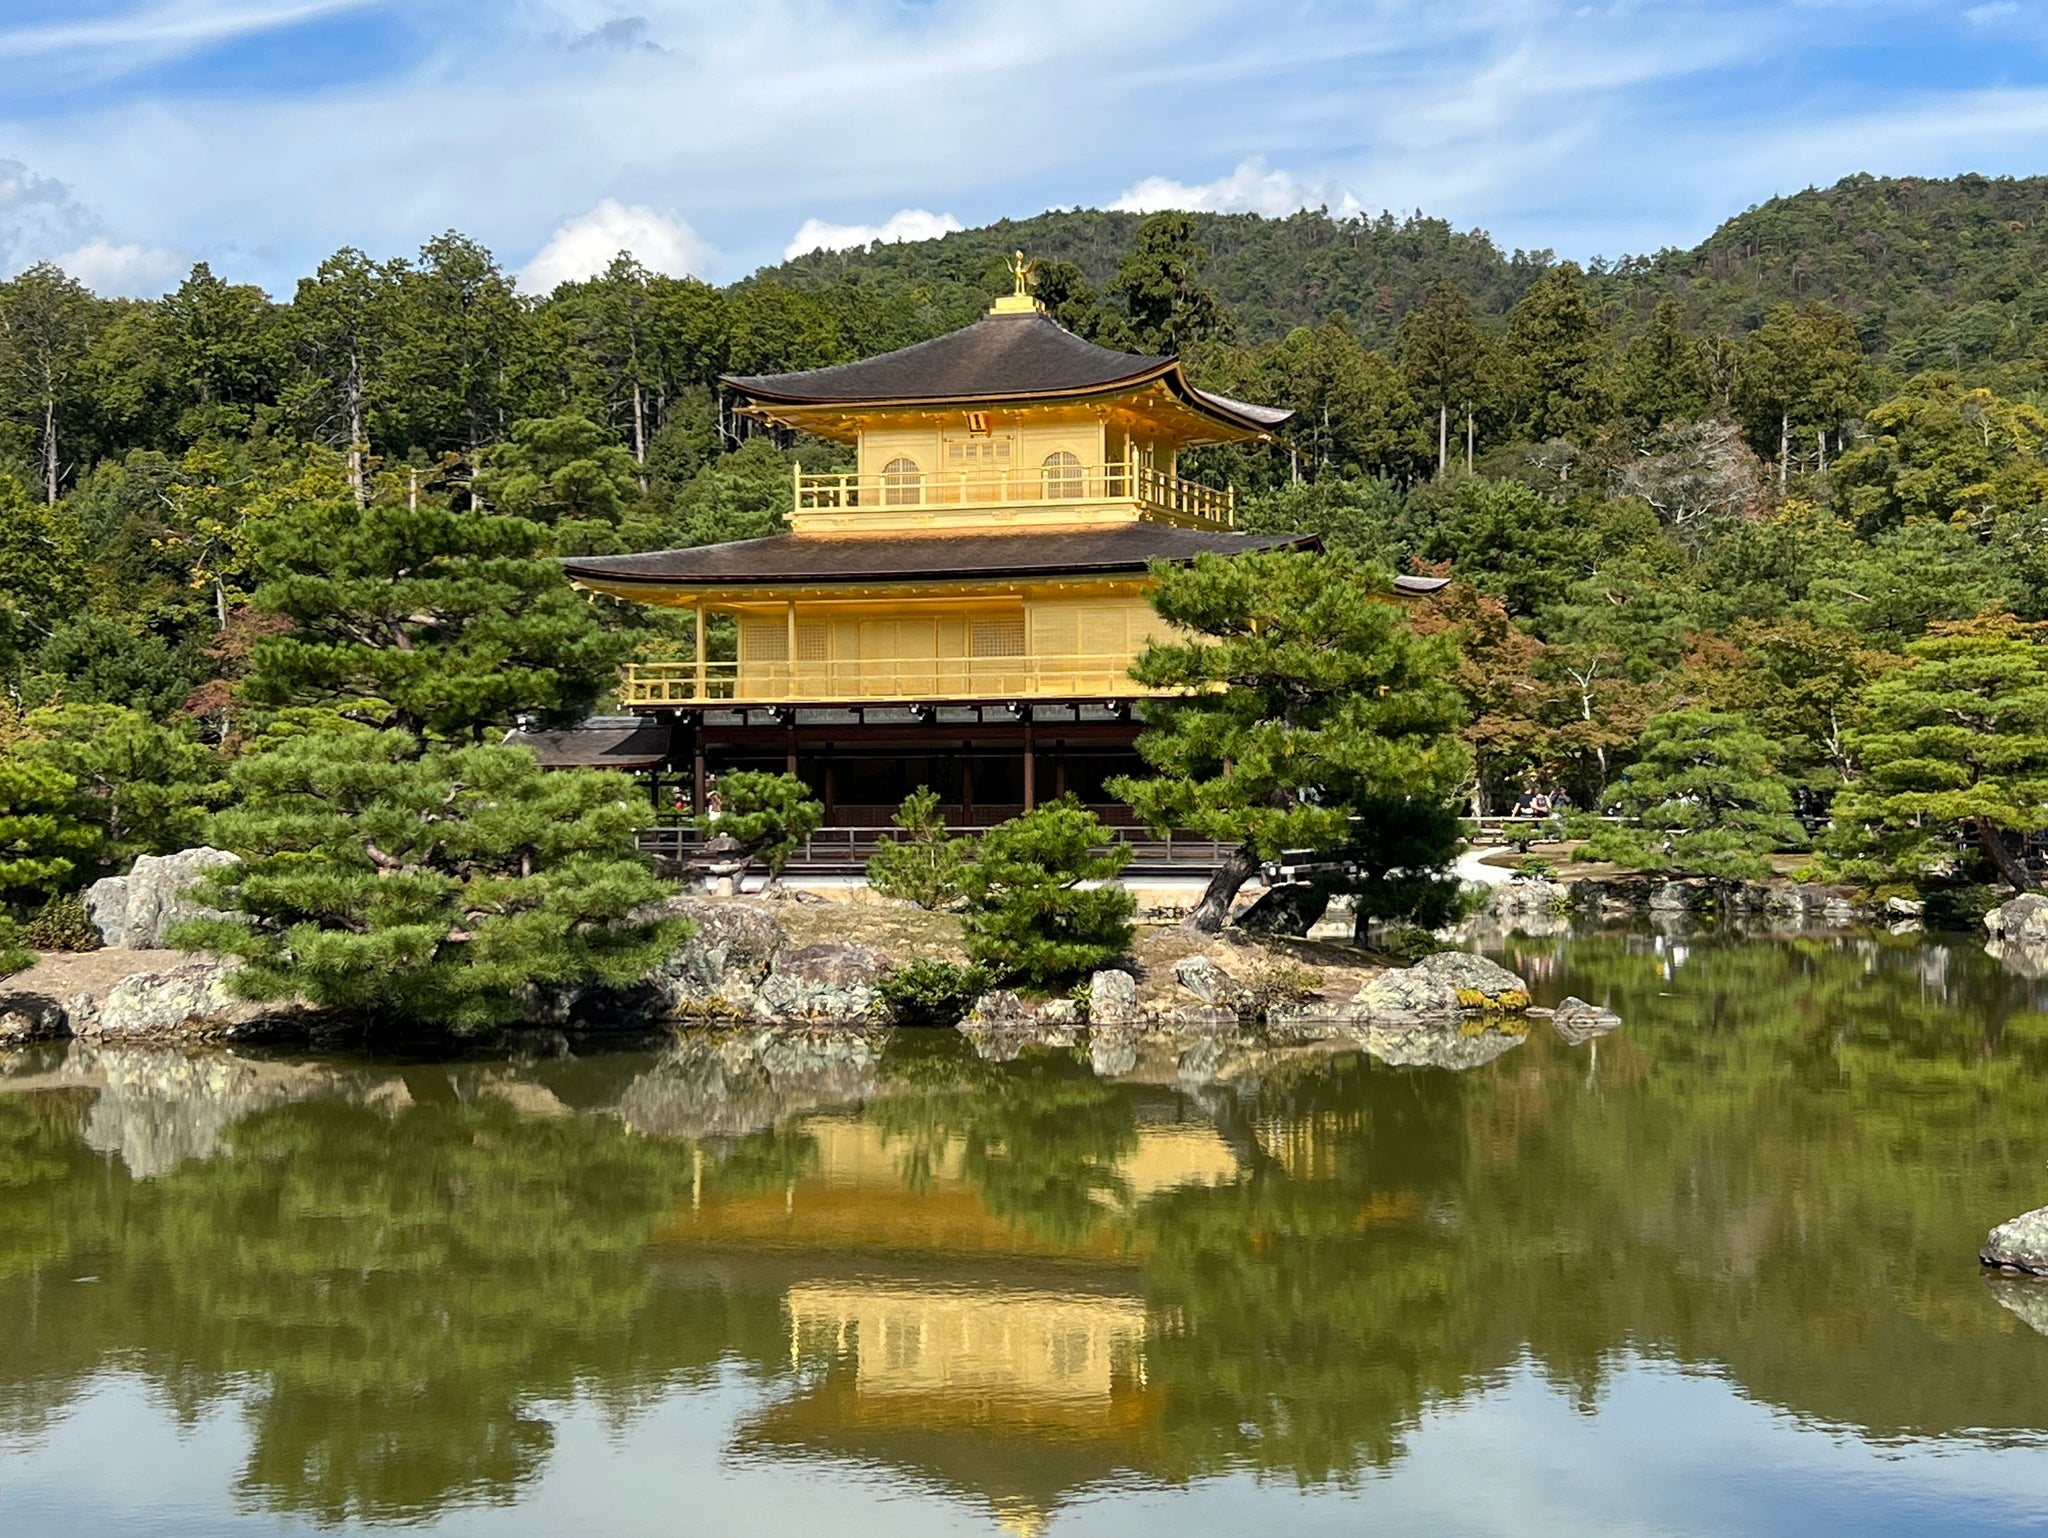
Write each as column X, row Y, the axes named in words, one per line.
column 144, row 787
column 46, row 330
column 925, row 865
column 1799, row 377
column 1955, row 744
column 575, row 477
column 434, row 888
column 340, row 330
column 43, row 843
column 1664, row 372
column 767, row 815
column 1557, row 356
column 1029, row 919
column 423, row 619
column 1160, row 282
column 1709, row 798
column 1305, row 700
column 1443, row 360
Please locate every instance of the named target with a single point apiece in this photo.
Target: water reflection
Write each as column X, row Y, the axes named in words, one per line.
column 1020, row 1282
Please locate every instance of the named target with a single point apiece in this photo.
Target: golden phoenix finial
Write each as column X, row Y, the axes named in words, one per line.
column 1021, row 270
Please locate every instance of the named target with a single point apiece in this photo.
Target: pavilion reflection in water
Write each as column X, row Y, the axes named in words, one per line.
column 948, row 1342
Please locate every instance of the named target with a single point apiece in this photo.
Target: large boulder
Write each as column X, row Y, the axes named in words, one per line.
column 2023, row 921
column 833, row 982
column 31, row 1017
column 1112, row 998
column 190, row 1001
column 720, row 968
column 106, row 905
column 1408, row 993
column 1526, row 895
column 1479, row 983
column 158, row 895
column 2019, row 1245
column 1205, row 980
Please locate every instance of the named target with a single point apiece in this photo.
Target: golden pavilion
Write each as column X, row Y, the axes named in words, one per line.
column 961, row 609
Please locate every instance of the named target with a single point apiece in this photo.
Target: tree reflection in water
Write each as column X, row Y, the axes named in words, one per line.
column 1015, row 1280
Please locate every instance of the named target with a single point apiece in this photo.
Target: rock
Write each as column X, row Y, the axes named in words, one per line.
column 1839, row 910
column 1528, row 894
column 2023, row 921
column 1902, row 908
column 1204, row 979
column 834, row 982
column 1579, row 1022
column 1408, row 994
column 1000, row 1007
column 1058, row 1012
column 31, row 1017
column 189, row 1001
column 1480, row 984
column 719, row 969
column 2019, row 1245
column 106, row 904
column 1112, row 998
column 81, row 1013
column 157, row 895
column 1112, row 1053
column 1674, row 897
column 2024, row 1296
column 1610, row 895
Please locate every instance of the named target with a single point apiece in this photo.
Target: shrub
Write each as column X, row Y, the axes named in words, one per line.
column 925, row 865
column 42, row 840
column 1535, row 867
column 61, row 924
column 14, row 956
column 932, row 994
column 768, row 815
column 1407, row 943
column 1029, row 919
column 433, row 888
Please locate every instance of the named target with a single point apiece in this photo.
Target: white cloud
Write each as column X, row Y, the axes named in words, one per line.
column 905, row 224
column 176, row 24
column 39, row 216
column 1253, row 188
column 584, row 246
column 134, row 271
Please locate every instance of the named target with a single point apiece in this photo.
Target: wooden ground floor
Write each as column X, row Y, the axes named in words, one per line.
column 987, row 764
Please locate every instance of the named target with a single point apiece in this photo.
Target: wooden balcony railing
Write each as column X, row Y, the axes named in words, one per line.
column 1018, row 486
column 878, row 680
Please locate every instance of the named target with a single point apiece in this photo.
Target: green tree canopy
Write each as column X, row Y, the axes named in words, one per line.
column 422, row 619
column 1953, row 745
column 431, row 888
column 43, row 843
column 146, row 787
column 1303, row 700
column 1709, row 800
column 1029, row 919
column 1160, row 282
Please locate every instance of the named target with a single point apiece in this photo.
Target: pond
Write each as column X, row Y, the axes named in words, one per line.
column 1714, row 1272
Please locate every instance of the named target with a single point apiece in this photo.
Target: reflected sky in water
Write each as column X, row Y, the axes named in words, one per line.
column 1713, row 1272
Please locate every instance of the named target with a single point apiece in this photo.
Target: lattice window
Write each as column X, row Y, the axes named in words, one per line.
column 1063, row 478
column 902, row 483
column 813, row 640
column 996, row 637
column 764, row 640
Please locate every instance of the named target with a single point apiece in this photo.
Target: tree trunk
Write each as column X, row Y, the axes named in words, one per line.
column 1238, row 867
column 640, row 435
column 1784, row 451
column 1471, row 434
column 50, row 447
column 358, row 479
column 2010, row 864
column 1292, row 908
column 1443, row 439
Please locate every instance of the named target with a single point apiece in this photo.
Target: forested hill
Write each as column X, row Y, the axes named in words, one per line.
column 1934, row 273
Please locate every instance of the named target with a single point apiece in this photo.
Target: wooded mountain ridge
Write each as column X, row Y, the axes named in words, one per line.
column 1934, row 272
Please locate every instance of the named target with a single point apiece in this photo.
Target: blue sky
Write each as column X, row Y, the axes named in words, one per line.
column 710, row 135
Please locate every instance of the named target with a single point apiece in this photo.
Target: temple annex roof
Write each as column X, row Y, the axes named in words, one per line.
column 787, row 558
column 1002, row 357
column 602, row 742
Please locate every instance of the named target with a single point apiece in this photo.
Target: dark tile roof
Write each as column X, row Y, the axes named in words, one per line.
column 602, row 742
column 786, row 558
column 1013, row 357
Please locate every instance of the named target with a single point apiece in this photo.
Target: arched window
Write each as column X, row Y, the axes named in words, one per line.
column 902, row 483
column 1063, row 479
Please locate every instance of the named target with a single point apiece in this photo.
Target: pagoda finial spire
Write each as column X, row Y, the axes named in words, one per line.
column 1019, row 302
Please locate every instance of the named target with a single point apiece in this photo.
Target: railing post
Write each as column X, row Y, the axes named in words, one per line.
column 700, row 650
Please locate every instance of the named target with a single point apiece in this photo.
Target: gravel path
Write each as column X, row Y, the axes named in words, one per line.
column 60, row 974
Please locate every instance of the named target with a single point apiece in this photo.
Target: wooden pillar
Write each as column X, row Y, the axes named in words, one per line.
column 792, row 742
column 697, row 786
column 966, row 788
column 1030, row 768
column 792, row 681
